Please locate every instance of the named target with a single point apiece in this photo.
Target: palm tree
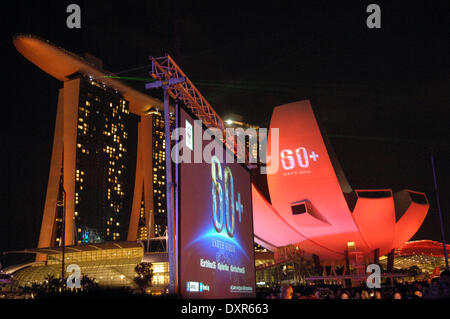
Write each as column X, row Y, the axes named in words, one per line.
column 88, row 283
column 144, row 276
column 55, row 284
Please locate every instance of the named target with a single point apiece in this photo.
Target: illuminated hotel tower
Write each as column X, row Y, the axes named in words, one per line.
column 90, row 157
column 152, row 204
column 90, row 152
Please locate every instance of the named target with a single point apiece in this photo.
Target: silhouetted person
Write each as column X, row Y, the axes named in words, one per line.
column 397, row 295
column 365, row 295
column 345, row 295
column 444, row 284
column 286, row 292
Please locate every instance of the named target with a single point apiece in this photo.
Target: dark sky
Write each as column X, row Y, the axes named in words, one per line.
column 382, row 95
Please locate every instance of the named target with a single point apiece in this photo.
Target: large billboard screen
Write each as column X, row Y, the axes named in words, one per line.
column 216, row 254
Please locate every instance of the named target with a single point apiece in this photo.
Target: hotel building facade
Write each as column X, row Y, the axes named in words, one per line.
column 107, row 170
column 90, row 161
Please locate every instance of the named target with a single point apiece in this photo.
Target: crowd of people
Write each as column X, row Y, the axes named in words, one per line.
column 436, row 288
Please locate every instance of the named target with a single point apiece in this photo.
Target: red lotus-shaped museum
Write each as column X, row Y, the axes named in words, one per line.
column 313, row 207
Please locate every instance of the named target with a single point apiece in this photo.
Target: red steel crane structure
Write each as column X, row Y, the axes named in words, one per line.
column 165, row 68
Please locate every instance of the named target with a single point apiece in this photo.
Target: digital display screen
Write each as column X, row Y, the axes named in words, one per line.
column 216, row 254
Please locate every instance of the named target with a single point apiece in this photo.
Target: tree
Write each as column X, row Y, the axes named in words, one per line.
column 88, row 283
column 144, row 276
column 53, row 286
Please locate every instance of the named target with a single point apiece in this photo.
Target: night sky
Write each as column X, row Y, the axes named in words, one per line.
column 382, row 95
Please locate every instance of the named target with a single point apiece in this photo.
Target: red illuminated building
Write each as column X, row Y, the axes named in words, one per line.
column 313, row 207
column 422, row 247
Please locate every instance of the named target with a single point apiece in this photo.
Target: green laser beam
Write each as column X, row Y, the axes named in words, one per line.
column 130, row 78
